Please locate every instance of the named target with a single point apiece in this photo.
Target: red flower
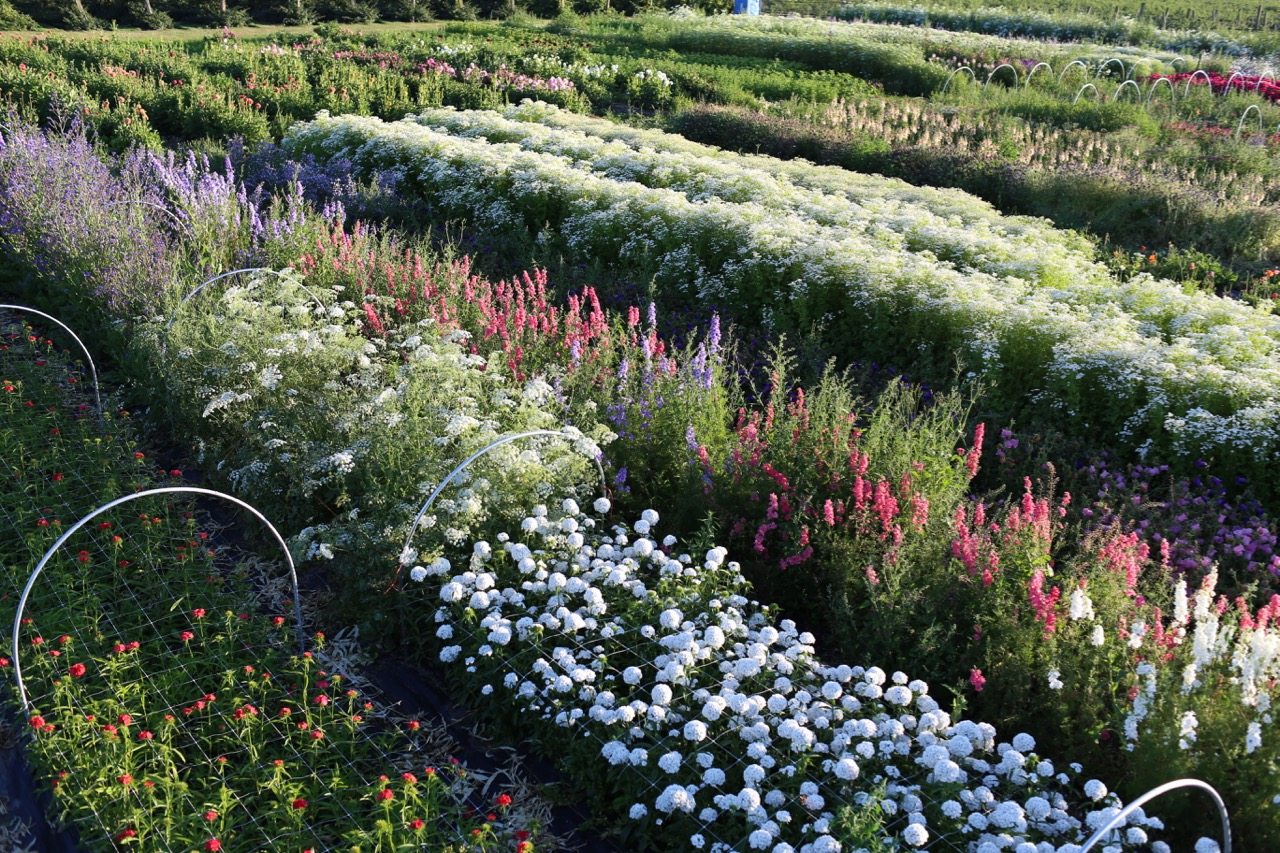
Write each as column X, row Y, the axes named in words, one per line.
column 187, row 636
column 4, row 662
column 37, row 722
column 277, row 621
column 125, row 720
column 322, row 700
column 213, row 845
column 175, row 473
column 198, row 613
column 64, row 639
column 126, row 833
column 524, row 847
column 417, row 824
column 83, row 556
column 57, row 478
column 210, row 815
column 299, row 804
column 125, row 779
column 145, row 735
column 413, row 725
column 386, row 794
column 503, row 800
column 37, row 641
column 77, row 670
column 317, row 735
column 409, row 778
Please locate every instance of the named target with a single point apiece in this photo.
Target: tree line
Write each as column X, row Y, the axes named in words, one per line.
column 160, row 14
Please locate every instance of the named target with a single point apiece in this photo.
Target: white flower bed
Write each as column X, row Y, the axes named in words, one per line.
column 1193, row 373
column 721, row 725
column 955, row 226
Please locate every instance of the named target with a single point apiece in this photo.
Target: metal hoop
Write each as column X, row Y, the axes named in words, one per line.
column 952, row 75
column 1194, row 74
column 93, row 371
column 499, row 442
column 160, row 207
column 221, row 276
column 1081, row 92
column 1173, row 95
column 1027, row 83
column 1156, row 792
column 1245, row 115
column 1123, row 86
column 996, row 69
column 35, row 574
column 1107, row 64
column 1067, row 67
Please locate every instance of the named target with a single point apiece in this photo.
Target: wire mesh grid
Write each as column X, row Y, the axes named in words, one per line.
column 718, row 727
column 143, row 649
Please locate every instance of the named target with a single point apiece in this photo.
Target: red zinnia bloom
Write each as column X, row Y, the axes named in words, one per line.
column 37, row 641
column 299, row 804
column 77, row 670
column 64, row 639
column 417, row 824
column 83, row 556
column 145, row 735
column 317, row 735
column 211, row 815
column 386, row 794
column 503, row 800
column 277, row 621
column 409, row 778
column 126, row 833
column 187, row 636
column 126, row 779
column 37, row 722
column 413, row 725
column 199, row 613
column 125, row 720
column 321, row 700
column 213, row 845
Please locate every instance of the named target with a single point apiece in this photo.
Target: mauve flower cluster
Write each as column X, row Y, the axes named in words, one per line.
column 1203, row 523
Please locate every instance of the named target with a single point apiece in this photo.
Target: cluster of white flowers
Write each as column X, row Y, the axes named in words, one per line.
column 725, row 718
column 1001, row 284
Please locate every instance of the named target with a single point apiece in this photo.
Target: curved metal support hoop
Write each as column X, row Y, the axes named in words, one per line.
column 1265, row 75
column 952, row 75
column 1080, row 62
column 994, row 71
column 1173, row 95
column 173, row 217
column 1201, row 73
column 506, row 439
column 1126, row 84
column 1120, row 817
column 93, row 371
column 1107, row 64
column 1081, row 92
column 1027, row 82
column 191, row 490
column 221, row 276
column 1245, row 115
column 1227, row 88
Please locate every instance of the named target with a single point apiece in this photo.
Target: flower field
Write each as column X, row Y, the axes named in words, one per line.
column 773, row 505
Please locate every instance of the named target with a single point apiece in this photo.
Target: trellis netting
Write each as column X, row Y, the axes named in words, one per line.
column 714, row 726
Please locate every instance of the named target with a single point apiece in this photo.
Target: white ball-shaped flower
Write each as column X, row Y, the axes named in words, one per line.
column 915, row 835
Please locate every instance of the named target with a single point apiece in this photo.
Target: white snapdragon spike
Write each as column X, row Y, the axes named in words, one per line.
column 720, row 717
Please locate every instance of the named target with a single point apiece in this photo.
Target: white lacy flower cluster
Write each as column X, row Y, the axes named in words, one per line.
column 369, row 422
column 1194, row 372
column 951, row 224
column 722, row 721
